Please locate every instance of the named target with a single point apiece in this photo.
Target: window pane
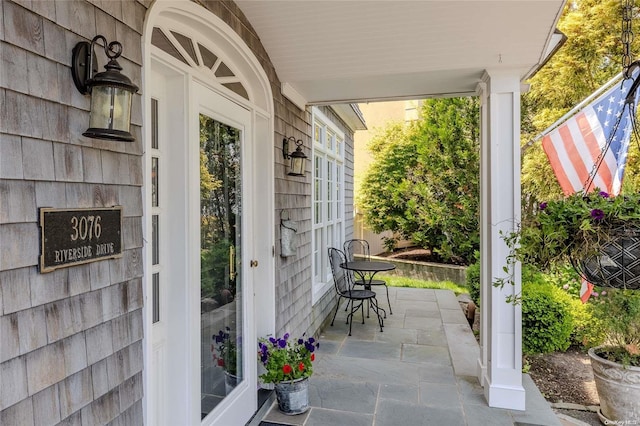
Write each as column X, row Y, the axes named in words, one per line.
column 330, row 190
column 330, row 140
column 317, row 133
column 156, row 297
column 339, row 146
column 154, row 123
column 155, row 245
column 154, row 181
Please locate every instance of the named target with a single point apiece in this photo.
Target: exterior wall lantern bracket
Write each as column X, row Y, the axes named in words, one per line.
column 111, row 91
column 297, row 157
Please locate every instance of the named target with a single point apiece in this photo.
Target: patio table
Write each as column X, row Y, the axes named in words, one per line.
column 366, row 270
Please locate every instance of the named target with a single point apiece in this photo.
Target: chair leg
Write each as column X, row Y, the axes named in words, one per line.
column 388, row 301
column 377, row 309
column 337, row 307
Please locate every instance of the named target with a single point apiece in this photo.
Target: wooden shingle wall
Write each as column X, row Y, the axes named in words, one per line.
column 71, row 347
column 70, row 340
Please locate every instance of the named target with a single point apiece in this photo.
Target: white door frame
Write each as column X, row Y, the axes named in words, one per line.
column 259, row 246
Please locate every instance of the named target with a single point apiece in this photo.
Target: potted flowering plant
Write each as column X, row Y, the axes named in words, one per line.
column 616, row 364
column 599, row 236
column 590, row 231
column 224, row 352
column 288, row 365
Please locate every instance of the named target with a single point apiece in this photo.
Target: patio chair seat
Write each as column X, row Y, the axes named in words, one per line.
column 361, row 247
column 343, row 284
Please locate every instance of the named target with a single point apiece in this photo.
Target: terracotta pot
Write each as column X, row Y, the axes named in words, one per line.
column 618, row 389
column 293, row 396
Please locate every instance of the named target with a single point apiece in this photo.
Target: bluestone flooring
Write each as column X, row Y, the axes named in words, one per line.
column 420, row 371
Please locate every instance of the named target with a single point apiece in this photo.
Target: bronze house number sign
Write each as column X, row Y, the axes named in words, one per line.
column 76, row 236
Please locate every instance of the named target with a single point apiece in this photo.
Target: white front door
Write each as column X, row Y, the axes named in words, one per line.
column 202, row 334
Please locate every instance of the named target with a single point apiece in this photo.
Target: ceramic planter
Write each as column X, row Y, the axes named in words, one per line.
column 293, row 396
column 618, row 389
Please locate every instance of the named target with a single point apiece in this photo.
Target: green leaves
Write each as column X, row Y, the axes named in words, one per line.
column 423, row 184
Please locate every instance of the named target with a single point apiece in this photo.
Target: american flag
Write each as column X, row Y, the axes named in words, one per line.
column 574, row 147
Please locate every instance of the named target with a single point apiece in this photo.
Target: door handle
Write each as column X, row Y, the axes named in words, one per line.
column 232, row 263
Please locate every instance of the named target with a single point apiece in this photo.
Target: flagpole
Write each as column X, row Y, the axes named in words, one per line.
column 562, row 119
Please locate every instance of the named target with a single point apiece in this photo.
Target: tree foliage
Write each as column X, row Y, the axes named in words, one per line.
column 423, row 182
column 591, row 56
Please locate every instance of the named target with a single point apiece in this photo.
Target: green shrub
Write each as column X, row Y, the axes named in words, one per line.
column 547, row 321
column 588, row 328
column 473, row 282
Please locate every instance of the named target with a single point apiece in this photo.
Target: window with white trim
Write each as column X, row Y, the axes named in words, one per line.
column 328, row 198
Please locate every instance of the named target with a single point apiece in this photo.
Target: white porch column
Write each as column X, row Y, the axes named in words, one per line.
column 500, row 363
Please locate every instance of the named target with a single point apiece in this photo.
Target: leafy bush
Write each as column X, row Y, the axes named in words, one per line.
column 547, row 321
column 473, row 282
column 619, row 312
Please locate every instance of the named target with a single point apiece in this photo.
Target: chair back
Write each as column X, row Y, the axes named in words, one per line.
column 355, row 246
column 341, row 279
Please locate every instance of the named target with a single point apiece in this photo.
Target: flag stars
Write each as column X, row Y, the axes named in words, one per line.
column 600, row 108
column 609, row 111
column 612, row 99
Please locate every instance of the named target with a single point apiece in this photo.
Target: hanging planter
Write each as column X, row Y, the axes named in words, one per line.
column 599, row 235
column 617, row 263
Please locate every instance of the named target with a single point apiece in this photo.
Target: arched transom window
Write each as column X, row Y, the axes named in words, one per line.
column 194, row 54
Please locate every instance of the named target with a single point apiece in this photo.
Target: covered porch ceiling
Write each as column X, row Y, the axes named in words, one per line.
column 328, row 52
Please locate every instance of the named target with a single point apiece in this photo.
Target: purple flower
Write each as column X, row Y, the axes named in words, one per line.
column 604, row 194
column 300, row 341
column 597, row 214
column 566, row 286
column 282, row 343
column 543, row 206
column 273, row 341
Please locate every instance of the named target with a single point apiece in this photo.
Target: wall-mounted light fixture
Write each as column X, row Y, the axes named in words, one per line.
column 297, row 157
column 111, row 91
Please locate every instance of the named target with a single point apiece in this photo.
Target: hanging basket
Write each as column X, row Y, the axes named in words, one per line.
column 617, row 264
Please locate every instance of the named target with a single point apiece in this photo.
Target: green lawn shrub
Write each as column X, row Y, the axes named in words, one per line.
column 473, row 282
column 547, row 320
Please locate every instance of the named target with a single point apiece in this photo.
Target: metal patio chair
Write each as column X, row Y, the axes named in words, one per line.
column 361, row 247
column 344, row 288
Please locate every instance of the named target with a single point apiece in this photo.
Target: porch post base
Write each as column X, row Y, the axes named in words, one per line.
column 481, row 372
column 509, row 397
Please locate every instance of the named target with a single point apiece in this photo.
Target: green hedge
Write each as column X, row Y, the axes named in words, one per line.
column 547, row 319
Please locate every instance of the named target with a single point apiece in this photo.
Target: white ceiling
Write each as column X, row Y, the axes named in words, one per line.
column 332, row 51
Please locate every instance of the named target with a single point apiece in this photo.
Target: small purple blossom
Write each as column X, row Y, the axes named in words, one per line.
column 282, row 343
column 566, row 286
column 603, row 293
column 597, row 214
column 543, row 206
column 604, row 194
column 594, row 294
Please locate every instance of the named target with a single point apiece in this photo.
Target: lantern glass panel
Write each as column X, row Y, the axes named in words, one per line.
column 297, row 166
column 121, row 109
column 100, row 117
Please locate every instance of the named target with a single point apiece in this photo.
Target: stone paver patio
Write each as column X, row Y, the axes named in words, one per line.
column 419, row 371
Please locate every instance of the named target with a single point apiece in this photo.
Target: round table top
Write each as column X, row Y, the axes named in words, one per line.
column 366, row 265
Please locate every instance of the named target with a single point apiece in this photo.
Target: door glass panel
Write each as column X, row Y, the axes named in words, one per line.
column 220, row 286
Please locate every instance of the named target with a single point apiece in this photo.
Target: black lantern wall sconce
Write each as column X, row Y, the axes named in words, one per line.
column 111, row 91
column 297, row 157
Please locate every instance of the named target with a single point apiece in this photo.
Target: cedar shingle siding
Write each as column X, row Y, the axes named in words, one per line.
column 71, row 341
